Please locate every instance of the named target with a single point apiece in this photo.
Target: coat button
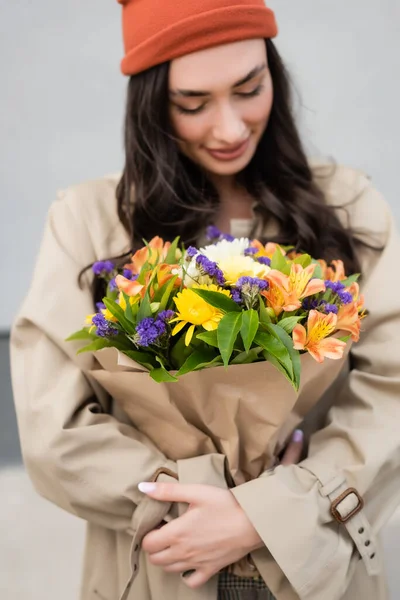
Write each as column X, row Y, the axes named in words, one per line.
column 367, row 543
column 361, row 530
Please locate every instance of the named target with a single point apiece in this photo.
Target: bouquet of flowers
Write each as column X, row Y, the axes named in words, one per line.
column 212, row 349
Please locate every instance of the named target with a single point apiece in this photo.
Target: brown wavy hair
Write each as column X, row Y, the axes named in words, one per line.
column 172, row 196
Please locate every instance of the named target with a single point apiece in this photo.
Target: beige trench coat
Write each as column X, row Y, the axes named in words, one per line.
column 87, row 458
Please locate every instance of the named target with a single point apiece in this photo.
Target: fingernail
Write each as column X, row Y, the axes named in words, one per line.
column 188, row 573
column 298, row 435
column 147, row 488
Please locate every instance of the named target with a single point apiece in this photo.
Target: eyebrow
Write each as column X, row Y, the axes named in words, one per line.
column 196, row 93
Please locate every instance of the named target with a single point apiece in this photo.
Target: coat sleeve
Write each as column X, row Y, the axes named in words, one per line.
column 76, row 453
column 359, row 447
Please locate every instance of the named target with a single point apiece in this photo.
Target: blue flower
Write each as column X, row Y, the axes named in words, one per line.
column 251, row 282
column 127, row 273
column 104, row 328
column 191, row 251
column 166, row 315
column 331, row 308
column 264, row 260
column 227, row 237
column 103, row 267
column 250, row 251
column 237, row 296
column 335, row 286
column 345, row 297
column 112, row 285
column 213, row 233
column 208, row 267
column 100, row 306
column 149, row 330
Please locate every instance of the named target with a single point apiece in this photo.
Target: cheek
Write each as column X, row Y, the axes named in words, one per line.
column 259, row 111
column 190, row 129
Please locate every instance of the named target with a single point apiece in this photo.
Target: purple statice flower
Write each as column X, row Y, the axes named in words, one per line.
column 227, row 237
column 213, row 233
column 311, row 304
column 264, row 260
column 103, row 267
column 251, row 282
column 104, row 328
column 191, row 252
column 166, row 315
column 112, row 285
column 345, row 297
column 236, row 296
column 149, row 330
column 127, row 273
column 335, row 286
column 100, row 306
column 208, row 267
column 248, row 289
column 250, row 251
column 331, row 308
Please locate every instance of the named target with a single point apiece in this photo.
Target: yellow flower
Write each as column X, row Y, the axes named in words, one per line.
column 235, row 267
column 89, row 323
column 122, row 303
column 195, row 311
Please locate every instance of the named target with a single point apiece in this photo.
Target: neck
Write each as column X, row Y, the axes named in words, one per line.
column 235, row 201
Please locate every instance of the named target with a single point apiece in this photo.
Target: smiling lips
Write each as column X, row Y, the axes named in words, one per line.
column 230, row 153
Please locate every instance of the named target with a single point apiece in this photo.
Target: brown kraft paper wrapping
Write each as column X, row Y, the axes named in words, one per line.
column 245, row 412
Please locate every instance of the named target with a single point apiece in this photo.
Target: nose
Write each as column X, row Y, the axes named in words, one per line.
column 229, row 128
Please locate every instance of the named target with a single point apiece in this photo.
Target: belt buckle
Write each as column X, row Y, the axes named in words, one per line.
column 335, row 504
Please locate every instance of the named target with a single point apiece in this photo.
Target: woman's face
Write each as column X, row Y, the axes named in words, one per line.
column 220, row 103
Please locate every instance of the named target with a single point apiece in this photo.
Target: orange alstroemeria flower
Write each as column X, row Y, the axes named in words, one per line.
column 165, row 273
column 155, row 253
column 335, row 272
column 315, row 339
column 130, row 288
column 268, row 250
column 287, row 291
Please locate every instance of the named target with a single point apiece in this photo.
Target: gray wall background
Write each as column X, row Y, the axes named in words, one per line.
column 62, row 99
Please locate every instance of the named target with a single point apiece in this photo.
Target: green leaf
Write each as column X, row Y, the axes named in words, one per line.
column 347, row 282
column 144, row 308
column 180, row 352
column 218, row 300
column 209, row 337
column 244, row 358
column 98, row 344
column 280, row 263
column 119, row 314
column 318, row 273
column 143, row 358
column 167, row 293
column 171, row 255
column 161, row 375
column 286, row 339
column 345, row 338
column 304, row 260
column 289, row 323
column 82, row 334
column 250, row 323
column 227, row 332
column 264, row 316
column 274, row 346
column 274, row 361
column 199, row 360
column 128, row 311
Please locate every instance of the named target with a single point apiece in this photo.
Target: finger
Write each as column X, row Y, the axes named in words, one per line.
column 179, row 567
column 163, row 558
column 293, row 451
column 156, row 541
column 174, row 492
column 197, row 579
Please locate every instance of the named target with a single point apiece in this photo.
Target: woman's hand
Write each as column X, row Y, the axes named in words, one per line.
column 213, row 533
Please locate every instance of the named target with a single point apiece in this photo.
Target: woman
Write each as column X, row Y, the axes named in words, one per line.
column 210, row 138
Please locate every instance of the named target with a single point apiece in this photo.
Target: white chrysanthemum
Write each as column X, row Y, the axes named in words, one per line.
column 224, row 249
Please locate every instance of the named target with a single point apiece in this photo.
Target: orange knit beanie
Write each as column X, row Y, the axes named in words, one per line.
column 156, row 31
